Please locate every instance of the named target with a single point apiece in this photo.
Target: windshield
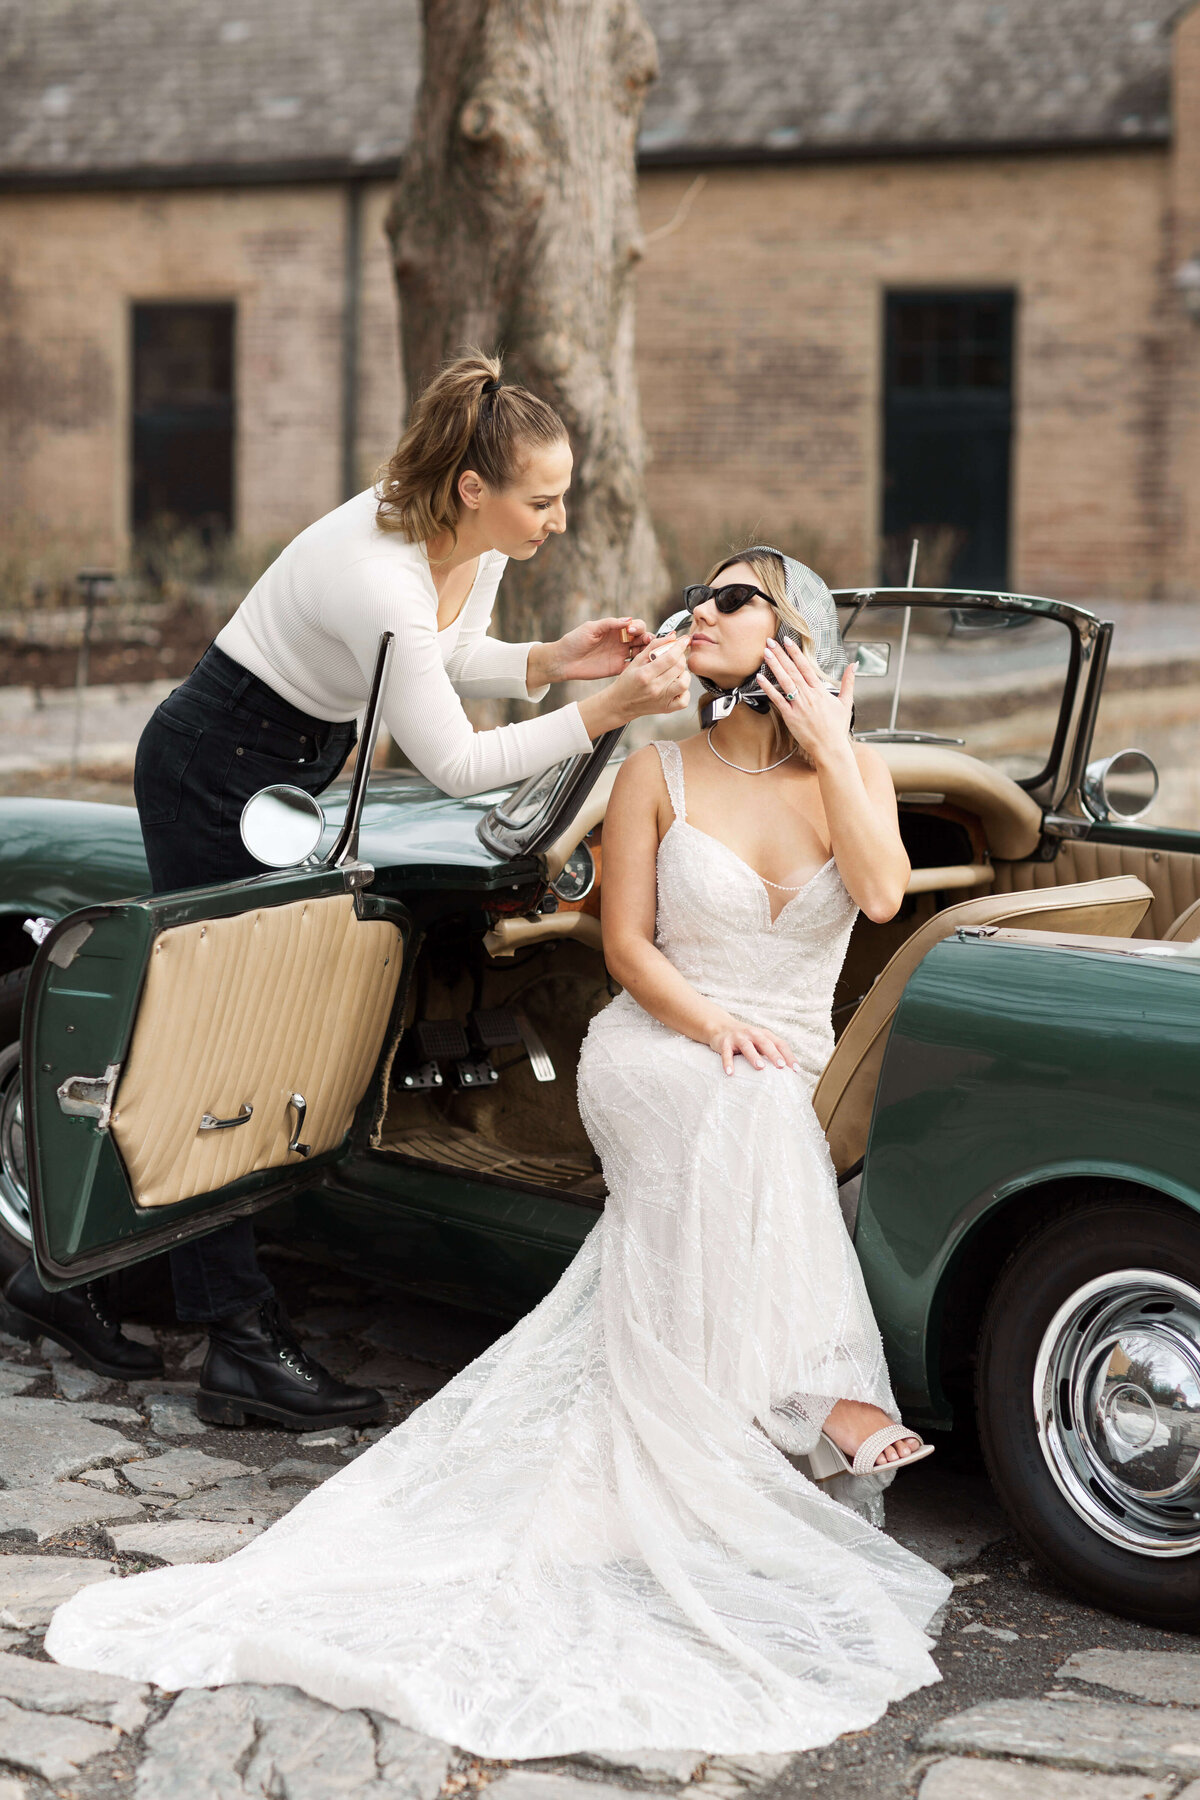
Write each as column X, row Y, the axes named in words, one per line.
column 984, row 678
column 992, row 679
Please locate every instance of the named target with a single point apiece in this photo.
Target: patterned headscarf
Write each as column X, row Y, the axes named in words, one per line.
column 813, row 601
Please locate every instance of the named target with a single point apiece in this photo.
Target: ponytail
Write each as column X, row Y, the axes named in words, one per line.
column 464, row 419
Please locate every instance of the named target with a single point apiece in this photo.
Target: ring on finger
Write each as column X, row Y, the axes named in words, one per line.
column 792, row 695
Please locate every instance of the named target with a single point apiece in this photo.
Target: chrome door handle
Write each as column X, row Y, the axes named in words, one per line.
column 209, row 1123
column 294, row 1144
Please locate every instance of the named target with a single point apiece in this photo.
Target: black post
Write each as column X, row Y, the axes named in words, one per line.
column 92, row 581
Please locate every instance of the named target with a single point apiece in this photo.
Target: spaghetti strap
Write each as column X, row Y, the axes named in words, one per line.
column 672, row 766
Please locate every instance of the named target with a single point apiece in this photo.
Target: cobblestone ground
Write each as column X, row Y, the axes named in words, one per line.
column 1042, row 1698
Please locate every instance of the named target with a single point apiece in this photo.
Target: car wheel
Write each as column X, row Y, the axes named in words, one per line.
column 1088, row 1395
column 15, row 1231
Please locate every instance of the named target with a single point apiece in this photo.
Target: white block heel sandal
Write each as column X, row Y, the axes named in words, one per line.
column 826, row 1460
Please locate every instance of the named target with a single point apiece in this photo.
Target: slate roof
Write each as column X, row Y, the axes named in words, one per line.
column 166, row 90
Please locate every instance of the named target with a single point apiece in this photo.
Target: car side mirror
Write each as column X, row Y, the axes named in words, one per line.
column 870, row 660
column 282, row 826
column 1121, row 787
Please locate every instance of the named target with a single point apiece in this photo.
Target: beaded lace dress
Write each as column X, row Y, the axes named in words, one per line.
column 593, row 1538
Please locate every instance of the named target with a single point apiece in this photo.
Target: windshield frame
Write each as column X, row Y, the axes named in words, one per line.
column 1053, row 783
column 1052, row 786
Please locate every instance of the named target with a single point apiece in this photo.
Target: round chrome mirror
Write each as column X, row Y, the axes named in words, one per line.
column 1121, row 787
column 281, row 826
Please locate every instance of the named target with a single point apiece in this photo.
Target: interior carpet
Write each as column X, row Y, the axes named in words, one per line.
column 448, row 1147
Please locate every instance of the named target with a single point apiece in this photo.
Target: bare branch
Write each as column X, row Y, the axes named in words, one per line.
column 679, row 216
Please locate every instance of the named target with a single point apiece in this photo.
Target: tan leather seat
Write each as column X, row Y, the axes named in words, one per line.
column 1173, row 876
column 846, row 1091
column 1186, row 928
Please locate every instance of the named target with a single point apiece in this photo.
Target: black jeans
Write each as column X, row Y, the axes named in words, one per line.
column 218, row 738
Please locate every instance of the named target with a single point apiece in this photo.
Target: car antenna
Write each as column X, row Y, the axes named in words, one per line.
column 912, row 570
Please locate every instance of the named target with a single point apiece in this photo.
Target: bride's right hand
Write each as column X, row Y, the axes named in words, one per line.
column 759, row 1047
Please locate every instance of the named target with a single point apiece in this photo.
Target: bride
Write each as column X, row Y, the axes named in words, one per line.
column 596, row 1537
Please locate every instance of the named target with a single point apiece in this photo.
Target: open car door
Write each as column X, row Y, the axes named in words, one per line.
column 190, row 1057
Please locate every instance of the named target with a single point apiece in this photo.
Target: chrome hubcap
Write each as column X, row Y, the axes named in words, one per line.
column 14, row 1183
column 1117, row 1392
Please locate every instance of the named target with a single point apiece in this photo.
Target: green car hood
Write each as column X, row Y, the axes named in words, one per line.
column 62, row 854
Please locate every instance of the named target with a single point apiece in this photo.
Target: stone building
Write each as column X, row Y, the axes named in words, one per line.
column 928, row 267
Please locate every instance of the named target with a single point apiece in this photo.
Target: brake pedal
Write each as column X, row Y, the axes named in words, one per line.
column 498, row 1027
column 476, row 1074
column 494, row 1028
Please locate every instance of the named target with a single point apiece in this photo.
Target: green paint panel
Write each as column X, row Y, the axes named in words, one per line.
column 1010, row 1066
column 1147, row 835
column 60, row 855
column 484, row 1246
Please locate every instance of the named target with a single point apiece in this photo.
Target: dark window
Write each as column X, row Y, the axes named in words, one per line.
column 948, row 437
column 183, row 418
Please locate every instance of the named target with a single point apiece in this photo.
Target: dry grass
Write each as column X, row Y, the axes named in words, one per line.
column 39, row 563
column 107, row 785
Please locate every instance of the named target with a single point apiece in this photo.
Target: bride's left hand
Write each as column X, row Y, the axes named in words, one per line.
column 815, row 719
column 595, row 651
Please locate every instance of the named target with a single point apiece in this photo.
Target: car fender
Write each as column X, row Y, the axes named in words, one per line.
column 60, row 855
column 1016, row 1076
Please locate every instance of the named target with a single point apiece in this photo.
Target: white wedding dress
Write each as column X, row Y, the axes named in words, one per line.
column 592, row 1539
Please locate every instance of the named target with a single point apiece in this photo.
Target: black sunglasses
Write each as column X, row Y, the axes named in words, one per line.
column 727, row 599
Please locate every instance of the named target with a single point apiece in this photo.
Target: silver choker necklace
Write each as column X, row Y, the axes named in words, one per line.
column 742, row 770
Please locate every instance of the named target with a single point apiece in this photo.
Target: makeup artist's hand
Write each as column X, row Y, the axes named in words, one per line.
column 592, row 652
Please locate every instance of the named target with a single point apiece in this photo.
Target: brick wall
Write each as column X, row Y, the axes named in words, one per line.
column 75, row 263
column 760, row 350
column 1182, row 522
column 381, row 385
column 759, row 345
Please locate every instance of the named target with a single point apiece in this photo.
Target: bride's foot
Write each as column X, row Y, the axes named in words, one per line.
column 850, row 1423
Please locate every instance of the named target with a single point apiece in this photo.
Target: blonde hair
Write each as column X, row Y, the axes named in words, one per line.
column 454, row 426
column 769, row 576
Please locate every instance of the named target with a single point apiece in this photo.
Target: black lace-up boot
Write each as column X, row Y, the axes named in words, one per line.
column 255, row 1365
column 77, row 1319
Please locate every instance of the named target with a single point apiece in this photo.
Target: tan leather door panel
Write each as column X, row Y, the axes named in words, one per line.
column 1173, row 876
column 245, row 1011
column 845, row 1095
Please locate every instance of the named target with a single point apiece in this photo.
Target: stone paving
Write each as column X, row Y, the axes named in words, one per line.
column 41, row 727
column 1042, row 1698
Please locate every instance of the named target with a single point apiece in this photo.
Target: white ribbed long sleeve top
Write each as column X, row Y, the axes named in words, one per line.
column 310, row 629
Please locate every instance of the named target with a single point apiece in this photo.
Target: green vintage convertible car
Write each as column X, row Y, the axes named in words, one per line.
column 378, row 1044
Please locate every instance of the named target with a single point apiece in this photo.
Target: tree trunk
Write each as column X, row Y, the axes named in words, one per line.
column 515, row 227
